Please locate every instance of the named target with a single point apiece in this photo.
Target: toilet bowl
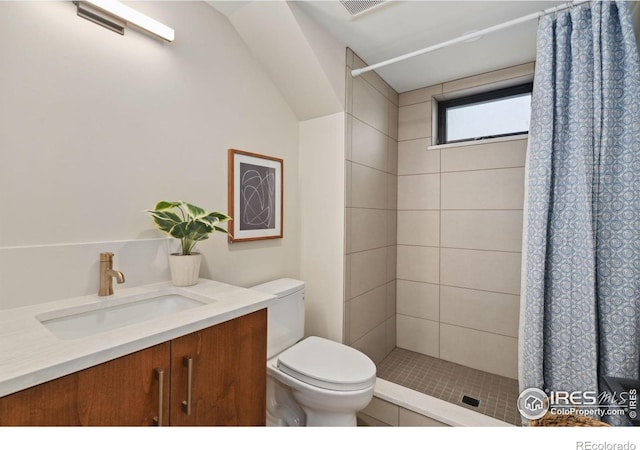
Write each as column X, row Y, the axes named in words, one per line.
column 313, row 381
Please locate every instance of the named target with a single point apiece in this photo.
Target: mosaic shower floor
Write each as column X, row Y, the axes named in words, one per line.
column 452, row 382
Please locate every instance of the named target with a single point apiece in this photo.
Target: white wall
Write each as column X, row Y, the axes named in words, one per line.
column 322, row 223
column 96, row 127
column 300, row 58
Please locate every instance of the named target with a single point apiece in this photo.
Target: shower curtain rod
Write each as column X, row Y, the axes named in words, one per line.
column 466, row 37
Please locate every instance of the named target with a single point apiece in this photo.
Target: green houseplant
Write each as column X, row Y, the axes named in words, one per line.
column 190, row 224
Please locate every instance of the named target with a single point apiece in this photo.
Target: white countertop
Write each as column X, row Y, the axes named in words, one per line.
column 30, row 354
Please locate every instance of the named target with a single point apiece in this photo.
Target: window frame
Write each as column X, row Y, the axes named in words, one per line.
column 443, row 106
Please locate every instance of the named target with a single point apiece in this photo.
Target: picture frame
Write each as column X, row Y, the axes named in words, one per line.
column 255, row 196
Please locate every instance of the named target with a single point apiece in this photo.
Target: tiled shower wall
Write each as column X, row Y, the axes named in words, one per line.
column 459, row 235
column 371, row 151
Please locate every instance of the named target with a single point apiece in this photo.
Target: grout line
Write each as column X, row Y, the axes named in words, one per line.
column 369, row 167
column 475, row 289
column 371, row 209
column 440, row 322
column 480, row 210
column 373, row 128
column 461, row 171
column 462, row 248
column 413, row 209
column 364, row 78
column 484, row 169
column 481, row 290
column 440, row 255
column 371, row 249
column 419, row 246
column 370, row 290
column 459, row 287
column 414, row 139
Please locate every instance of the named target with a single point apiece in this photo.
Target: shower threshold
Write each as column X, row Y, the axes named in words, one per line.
column 492, row 395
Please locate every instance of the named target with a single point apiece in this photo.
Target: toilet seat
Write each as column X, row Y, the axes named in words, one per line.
column 327, row 364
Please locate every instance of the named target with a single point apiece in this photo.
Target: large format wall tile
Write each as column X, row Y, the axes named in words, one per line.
column 368, row 187
column 494, row 155
column 484, row 270
column 382, row 410
column 418, row 263
column 392, row 156
column 419, row 191
column 392, row 227
column 392, row 191
column 414, row 158
column 369, row 146
column 367, row 312
column 374, row 343
column 477, row 81
column 420, row 95
column 414, row 121
column 371, row 222
column 393, row 119
column 483, row 189
column 391, row 299
column 482, row 230
column 370, row 106
column 392, row 262
column 419, row 228
column 418, row 335
column 417, row 299
column 480, row 350
column 481, row 310
column 368, row 228
column 372, row 78
column 408, row 418
column 459, row 227
column 368, row 271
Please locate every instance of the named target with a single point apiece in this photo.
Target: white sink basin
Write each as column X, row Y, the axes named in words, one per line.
column 77, row 322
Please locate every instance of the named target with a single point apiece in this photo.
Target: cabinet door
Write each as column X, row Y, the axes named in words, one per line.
column 121, row 392
column 226, row 384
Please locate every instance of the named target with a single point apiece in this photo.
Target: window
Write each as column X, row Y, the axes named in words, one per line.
column 503, row 112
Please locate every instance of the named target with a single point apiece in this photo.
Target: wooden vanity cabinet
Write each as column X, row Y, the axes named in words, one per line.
column 228, row 375
column 226, row 384
column 123, row 392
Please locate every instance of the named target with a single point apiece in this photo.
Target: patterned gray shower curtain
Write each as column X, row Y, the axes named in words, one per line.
column 580, row 299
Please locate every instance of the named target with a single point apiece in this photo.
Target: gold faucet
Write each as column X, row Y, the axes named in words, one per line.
column 107, row 274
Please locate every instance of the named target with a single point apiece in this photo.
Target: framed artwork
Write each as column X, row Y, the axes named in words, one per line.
column 255, row 196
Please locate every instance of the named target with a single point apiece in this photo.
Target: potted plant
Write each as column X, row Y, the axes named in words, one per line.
column 191, row 224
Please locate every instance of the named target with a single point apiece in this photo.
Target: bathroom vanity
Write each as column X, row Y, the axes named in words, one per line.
column 201, row 366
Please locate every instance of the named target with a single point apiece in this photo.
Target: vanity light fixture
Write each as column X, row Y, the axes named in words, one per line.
column 115, row 16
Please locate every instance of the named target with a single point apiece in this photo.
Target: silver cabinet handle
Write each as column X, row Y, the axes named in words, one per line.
column 186, row 404
column 160, row 418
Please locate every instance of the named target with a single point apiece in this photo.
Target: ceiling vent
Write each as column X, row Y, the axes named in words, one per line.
column 360, row 7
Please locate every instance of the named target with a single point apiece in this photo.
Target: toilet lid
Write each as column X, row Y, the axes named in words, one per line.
column 328, row 364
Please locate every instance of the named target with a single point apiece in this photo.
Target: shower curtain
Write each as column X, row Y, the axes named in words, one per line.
column 580, row 311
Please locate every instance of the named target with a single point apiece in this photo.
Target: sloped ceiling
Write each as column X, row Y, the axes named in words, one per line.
column 305, row 62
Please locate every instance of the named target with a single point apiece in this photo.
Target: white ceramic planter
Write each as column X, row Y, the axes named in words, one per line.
column 185, row 269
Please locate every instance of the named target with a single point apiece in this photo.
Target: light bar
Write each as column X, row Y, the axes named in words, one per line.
column 133, row 17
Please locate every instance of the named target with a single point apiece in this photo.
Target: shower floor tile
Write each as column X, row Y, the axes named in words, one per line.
column 451, row 382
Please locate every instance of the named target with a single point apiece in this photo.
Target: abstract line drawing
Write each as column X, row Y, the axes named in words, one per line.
column 255, row 196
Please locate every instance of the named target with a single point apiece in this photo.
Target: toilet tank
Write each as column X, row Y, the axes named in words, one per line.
column 285, row 324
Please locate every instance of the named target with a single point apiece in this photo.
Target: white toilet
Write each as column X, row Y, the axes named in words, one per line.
column 314, row 381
